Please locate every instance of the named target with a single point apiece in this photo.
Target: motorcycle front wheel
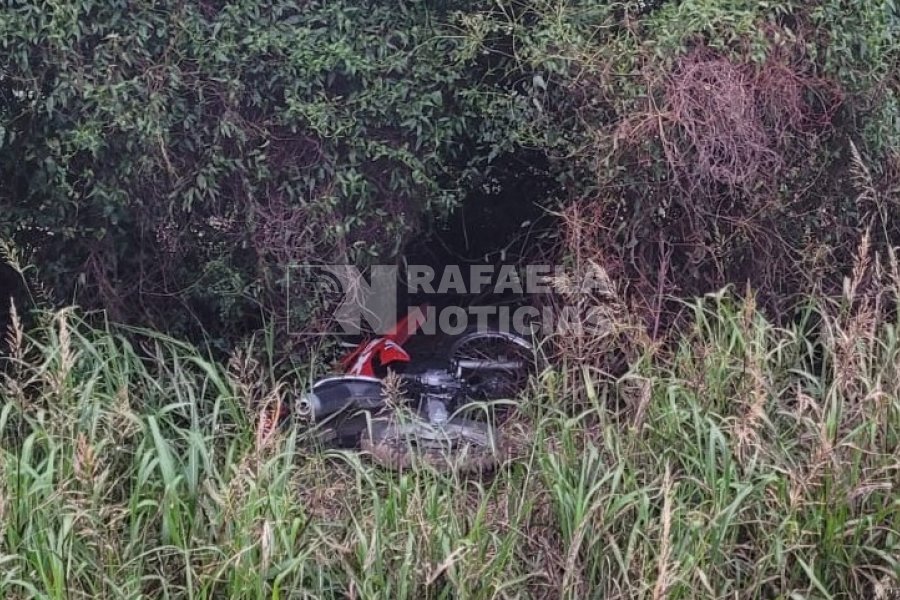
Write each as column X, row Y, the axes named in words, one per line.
column 458, row 446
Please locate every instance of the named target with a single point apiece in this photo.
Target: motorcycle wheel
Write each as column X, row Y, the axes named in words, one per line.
column 459, row 446
column 494, row 364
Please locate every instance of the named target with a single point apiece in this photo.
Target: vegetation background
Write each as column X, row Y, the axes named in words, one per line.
column 170, row 163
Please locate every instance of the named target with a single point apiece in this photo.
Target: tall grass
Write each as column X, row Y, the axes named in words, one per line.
column 748, row 461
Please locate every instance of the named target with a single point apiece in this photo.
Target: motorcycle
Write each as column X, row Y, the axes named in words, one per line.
column 404, row 411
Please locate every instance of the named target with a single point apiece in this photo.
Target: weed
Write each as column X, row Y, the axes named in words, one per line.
column 758, row 462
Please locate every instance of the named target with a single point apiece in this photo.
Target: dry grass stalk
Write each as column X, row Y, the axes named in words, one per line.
column 446, row 564
column 747, row 428
column 123, row 422
column 392, row 385
column 84, row 463
column 862, row 178
column 15, row 334
column 809, row 475
column 595, row 327
column 266, row 545
column 4, row 500
column 645, row 393
column 269, row 417
column 663, row 578
column 851, row 332
column 245, row 374
column 60, row 376
column 15, row 338
column 96, row 519
column 861, row 266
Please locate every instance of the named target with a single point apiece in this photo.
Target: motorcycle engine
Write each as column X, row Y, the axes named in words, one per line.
column 439, row 391
column 438, row 382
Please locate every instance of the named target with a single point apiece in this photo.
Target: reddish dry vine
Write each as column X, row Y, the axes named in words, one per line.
column 723, row 123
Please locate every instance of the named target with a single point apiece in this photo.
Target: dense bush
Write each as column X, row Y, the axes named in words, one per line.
column 171, row 160
column 715, row 140
column 163, row 156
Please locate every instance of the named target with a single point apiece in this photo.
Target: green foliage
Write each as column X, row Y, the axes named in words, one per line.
column 173, row 161
column 144, row 140
column 716, row 133
column 751, row 461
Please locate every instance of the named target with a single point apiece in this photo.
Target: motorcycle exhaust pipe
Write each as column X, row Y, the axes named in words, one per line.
column 306, row 407
column 313, row 407
column 339, row 394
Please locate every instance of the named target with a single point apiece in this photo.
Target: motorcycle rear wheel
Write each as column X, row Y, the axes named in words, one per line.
column 494, row 364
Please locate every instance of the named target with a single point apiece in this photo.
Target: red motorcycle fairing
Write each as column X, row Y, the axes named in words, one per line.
column 381, row 352
column 385, row 350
